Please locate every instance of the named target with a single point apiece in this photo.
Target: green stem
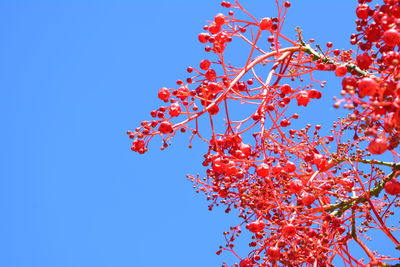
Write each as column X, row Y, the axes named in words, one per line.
column 340, row 208
column 318, row 56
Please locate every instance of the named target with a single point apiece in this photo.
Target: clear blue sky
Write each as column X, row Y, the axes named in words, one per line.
column 74, row 76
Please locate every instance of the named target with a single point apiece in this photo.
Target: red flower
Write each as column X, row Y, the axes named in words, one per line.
column 391, row 37
column 392, row 187
column 377, row 146
column 302, row 98
column 266, row 24
column 262, row 170
column 165, row 127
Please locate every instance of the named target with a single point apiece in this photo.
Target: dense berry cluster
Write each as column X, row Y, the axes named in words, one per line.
column 303, row 193
column 374, row 94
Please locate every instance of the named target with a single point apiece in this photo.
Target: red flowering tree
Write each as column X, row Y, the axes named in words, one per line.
column 307, row 196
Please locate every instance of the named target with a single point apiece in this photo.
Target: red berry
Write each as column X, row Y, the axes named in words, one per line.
column 391, row 37
column 362, row 11
column 349, row 83
column 214, row 28
column 245, row 149
column 256, row 226
column 377, row 146
column 289, row 167
column 262, row 170
column 245, row 263
column 307, row 199
column 367, row 87
column 363, row 61
column 286, row 89
column 163, row 94
column 205, row 64
column 183, row 93
column 289, row 230
column 219, row 19
column 314, row 94
column 211, row 74
column 341, row 71
column 295, row 186
column 174, row 110
column 302, row 98
column 203, row 37
column 265, row 24
column 165, row 127
column 273, row 253
column 320, row 161
column 213, row 110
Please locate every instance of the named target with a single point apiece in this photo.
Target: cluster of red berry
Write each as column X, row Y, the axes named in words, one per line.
column 374, row 94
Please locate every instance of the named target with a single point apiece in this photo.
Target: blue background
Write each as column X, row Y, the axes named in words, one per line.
column 74, row 76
